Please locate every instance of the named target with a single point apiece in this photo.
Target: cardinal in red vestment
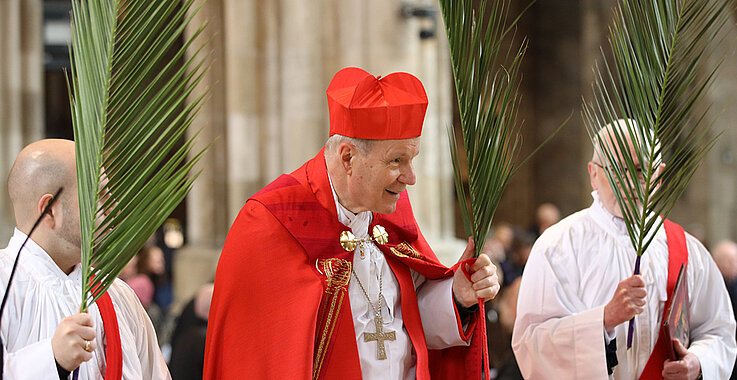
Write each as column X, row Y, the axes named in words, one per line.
column 325, row 273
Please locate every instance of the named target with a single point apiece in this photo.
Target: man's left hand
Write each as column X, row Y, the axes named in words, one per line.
column 687, row 368
column 484, row 282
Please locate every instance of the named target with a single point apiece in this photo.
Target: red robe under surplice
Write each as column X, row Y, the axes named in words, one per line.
column 280, row 307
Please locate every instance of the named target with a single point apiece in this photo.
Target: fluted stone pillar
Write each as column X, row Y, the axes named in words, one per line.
column 271, row 131
column 206, row 216
column 21, row 86
column 243, row 86
column 207, row 219
column 302, row 107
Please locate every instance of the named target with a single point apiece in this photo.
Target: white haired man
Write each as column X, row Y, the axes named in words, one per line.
column 578, row 291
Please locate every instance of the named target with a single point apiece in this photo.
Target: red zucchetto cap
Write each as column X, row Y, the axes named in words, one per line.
column 368, row 107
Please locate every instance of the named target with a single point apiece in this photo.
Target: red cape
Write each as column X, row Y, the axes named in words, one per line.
column 275, row 311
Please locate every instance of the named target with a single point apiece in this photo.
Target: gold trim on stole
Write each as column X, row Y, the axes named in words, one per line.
column 406, row 250
column 338, row 273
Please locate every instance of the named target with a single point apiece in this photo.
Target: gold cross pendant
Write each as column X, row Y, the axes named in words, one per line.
column 380, row 336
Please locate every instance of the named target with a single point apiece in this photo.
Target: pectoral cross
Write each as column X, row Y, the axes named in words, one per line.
column 380, row 336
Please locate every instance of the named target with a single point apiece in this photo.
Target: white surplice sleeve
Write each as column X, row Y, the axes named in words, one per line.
column 555, row 335
column 711, row 318
column 137, row 331
column 440, row 320
column 32, row 362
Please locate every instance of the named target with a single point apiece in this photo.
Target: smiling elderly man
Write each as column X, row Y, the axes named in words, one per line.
column 325, row 273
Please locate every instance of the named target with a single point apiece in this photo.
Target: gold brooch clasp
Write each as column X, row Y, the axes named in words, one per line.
column 347, row 241
column 380, row 235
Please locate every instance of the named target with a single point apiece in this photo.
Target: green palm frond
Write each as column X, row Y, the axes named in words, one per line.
column 131, row 81
column 487, row 75
column 653, row 81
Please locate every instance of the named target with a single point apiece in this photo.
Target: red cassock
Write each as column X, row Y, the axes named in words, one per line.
column 281, row 308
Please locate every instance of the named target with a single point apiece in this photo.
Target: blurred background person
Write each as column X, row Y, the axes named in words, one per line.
column 151, row 263
column 139, row 282
column 188, row 339
column 500, row 243
column 513, row 266
column 546, row 215
column 725, row 255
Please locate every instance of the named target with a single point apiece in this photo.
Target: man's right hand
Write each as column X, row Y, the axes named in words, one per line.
column 70, row 339
column 628, row 301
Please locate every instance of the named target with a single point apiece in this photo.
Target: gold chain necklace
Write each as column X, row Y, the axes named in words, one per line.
column 379, row 336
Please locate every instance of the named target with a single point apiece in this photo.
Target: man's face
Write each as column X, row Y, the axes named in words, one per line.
column 70, row 230
column 599, row 182
column 377, row 177
column 725, row 256
column 598, row 175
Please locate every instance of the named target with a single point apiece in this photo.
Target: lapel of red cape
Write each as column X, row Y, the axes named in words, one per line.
column 677, row 255
column 306, row 195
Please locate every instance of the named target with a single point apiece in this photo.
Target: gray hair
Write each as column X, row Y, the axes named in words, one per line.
column 363, row 145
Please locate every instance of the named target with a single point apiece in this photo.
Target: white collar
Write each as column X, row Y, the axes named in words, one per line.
column 41, row 264
column 614, row 224
column 358, row 223
column 605, row 218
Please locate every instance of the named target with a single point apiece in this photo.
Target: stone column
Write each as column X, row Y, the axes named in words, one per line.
column 303, row 114
column 557, row 88
column 243, row 85
column 348, row 32
column 21, row 86
column 207, row 218
column 271, row 133
column 595, row 17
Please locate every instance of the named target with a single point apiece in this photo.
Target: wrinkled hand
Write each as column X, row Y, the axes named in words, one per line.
column 484, row 282
column 68, row 342
column 687, row 368
column 628, row 301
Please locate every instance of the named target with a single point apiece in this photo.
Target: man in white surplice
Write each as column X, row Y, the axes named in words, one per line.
column 578, row 292
column 44, row 335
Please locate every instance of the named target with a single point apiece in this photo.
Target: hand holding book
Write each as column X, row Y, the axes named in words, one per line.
column 675, row 325
column 688, row 366
column 676, row 328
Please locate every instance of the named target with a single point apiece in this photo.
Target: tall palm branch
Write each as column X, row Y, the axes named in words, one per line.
column 131, row 81
column 486, row 69
column 653, row 80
